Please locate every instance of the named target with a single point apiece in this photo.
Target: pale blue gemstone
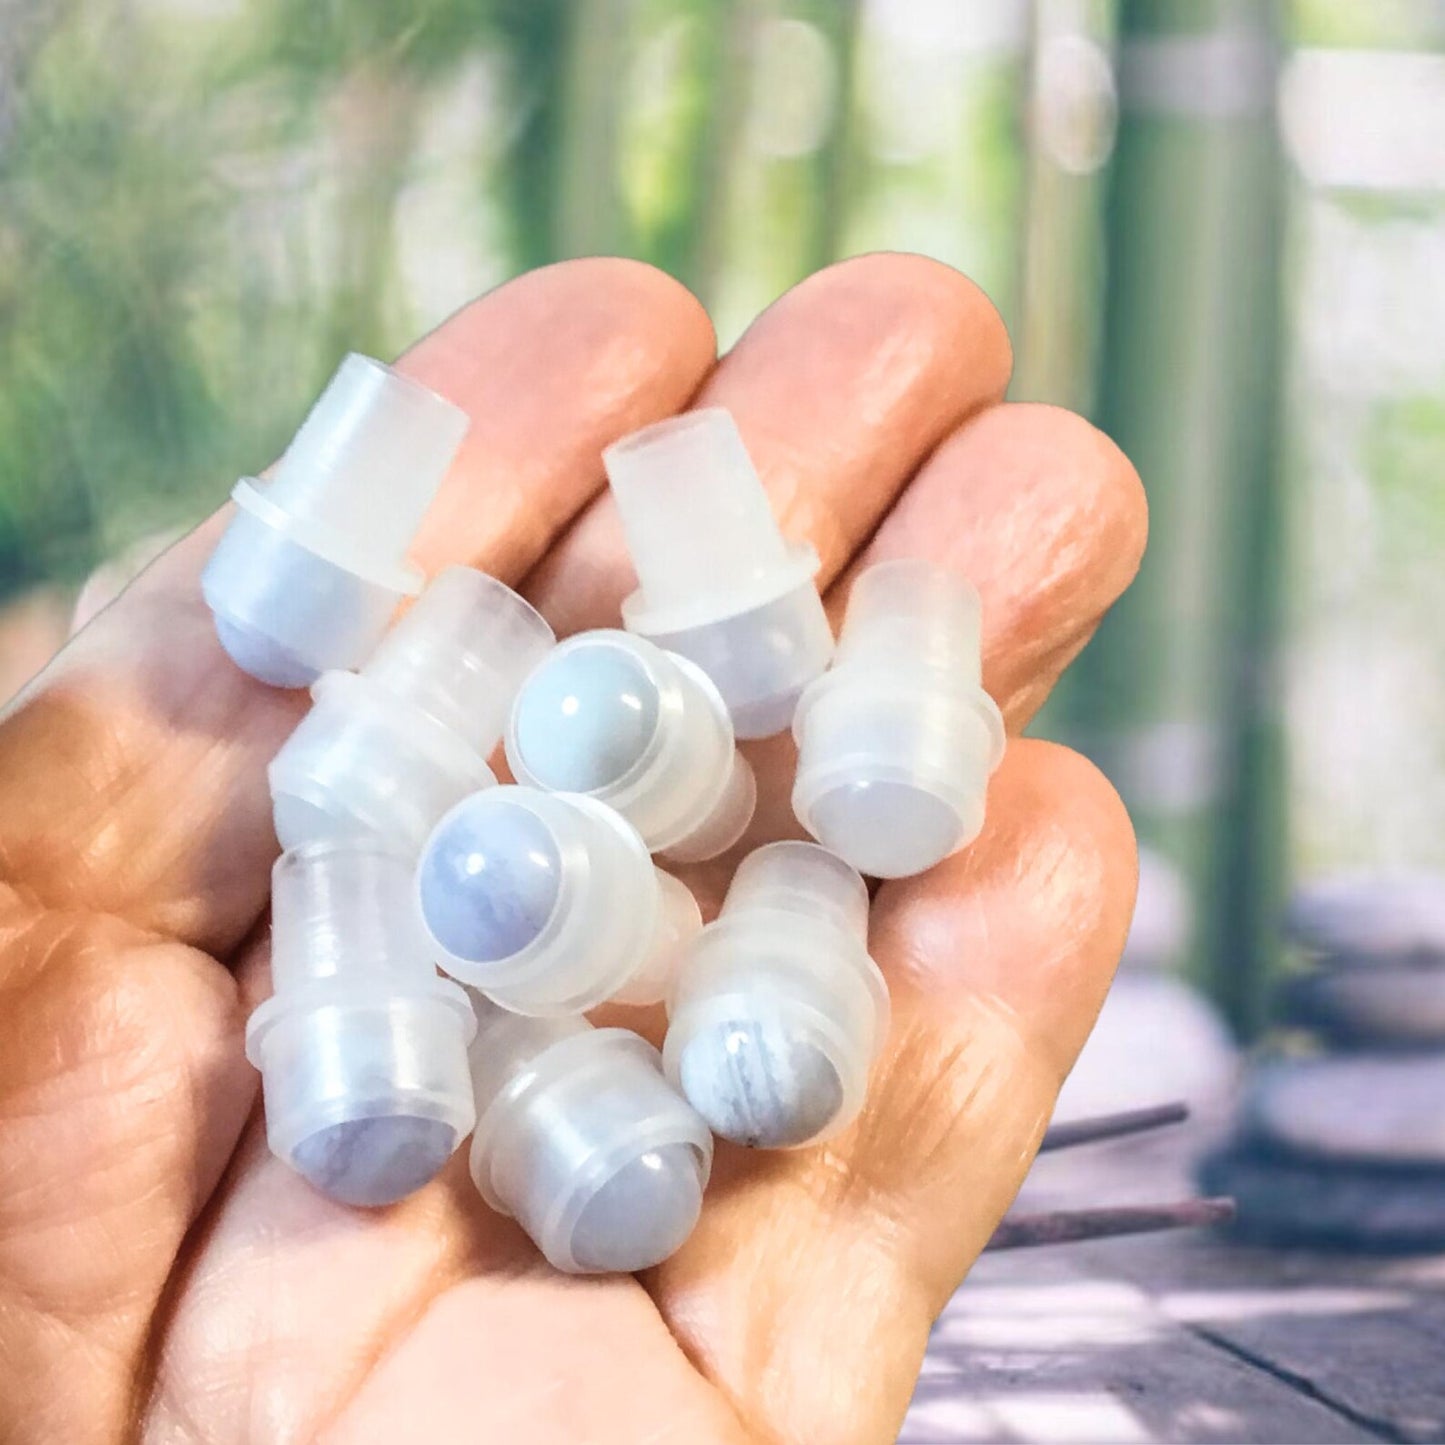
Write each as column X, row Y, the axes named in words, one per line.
column 757, row 1085
column 371, row 1162
column 585, row 718
column 885, row 829
column 259, row 654
column 642, row 1214
column 488, row 881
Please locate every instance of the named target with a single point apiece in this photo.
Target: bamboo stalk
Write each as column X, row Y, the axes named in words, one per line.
column 1174, row 695
column 840, row 21
column 723, row 145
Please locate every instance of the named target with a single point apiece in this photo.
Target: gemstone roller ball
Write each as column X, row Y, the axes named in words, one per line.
column 718, row 584
column 898, row 739
column 548, row 903
column 362, row 1048
column 614, row 717
column 581, row 1139
column 313, row 563
column 778, row 1011
column 389, row 749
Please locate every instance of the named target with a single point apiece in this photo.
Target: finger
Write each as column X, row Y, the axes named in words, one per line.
column 133, row 769
column 1045, row 516
column 840, row 389
column 998, row 961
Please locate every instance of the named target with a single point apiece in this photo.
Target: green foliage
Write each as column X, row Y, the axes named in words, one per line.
column 1403, row 447
column 1349, row 24
column 165, row 303
column 102, row 400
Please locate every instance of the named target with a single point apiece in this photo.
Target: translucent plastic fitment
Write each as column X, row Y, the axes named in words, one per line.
column 897, row 740
column 362, row 1048
column 581, row 1139
column 778, row 1011
column 548, row 903
column 718, row 583
column 312, row 566
column 390, row 749
column 614, row 717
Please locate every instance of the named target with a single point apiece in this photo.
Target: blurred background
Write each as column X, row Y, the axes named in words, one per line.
column 1215, row 226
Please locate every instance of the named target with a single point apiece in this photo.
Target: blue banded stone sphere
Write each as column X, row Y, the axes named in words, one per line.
column 585, row 717
column 756, row 1084
column 373, row 1162
column 488, row 880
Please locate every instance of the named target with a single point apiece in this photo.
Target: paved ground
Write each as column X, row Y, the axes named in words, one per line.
column 1181, row 1337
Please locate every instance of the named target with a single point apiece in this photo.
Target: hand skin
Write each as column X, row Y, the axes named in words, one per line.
column 163, row 1278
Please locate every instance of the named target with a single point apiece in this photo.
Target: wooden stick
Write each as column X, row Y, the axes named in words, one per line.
column 1071, row 1226
column 1113, row 1126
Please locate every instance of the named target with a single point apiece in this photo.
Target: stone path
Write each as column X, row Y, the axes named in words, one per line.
column 1182, row 1338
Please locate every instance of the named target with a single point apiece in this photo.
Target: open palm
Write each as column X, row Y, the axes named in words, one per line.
column 162, row 1277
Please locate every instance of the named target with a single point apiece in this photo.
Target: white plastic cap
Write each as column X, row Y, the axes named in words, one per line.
column 548, row 903
column 365, row 465
column 390, row 750
column 896, row 742
column 777, row 1010
column 461, row 653
column 361, row 1048
column 581, row 1140
column 313, row 564
column 362, row 762
column 615, row 718
column 718, row 582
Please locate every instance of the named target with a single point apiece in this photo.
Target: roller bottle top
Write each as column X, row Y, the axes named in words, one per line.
column 718, row 583
column 313, row 564
column 778, row 1011
column 897, row 740
column 358, row 477
column 344, row 921
column 614, row 717
column 461, row 653
column 581, row 1139
column 389, row 749
column 548, row 903
column 362, row 1048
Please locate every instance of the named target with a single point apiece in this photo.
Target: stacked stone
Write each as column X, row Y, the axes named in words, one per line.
column 1340, row 1138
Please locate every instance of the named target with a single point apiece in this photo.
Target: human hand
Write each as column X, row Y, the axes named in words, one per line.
column 163, row 1277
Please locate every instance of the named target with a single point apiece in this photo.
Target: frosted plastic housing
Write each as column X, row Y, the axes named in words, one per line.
column 548, row 903
column 312, row 566
column 390, row 749
column 362, row 1048
column 897, row 740
column 777, row 1011
column 581, row 1139
column 614, row 717
column 718, row 583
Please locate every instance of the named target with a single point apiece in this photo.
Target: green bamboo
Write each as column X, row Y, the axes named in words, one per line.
column 835, row 159
column 533, row 35
column 379, row 108
column 730, row 35
column 1175, row 695
column 1056, row 335
column 588, row 217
